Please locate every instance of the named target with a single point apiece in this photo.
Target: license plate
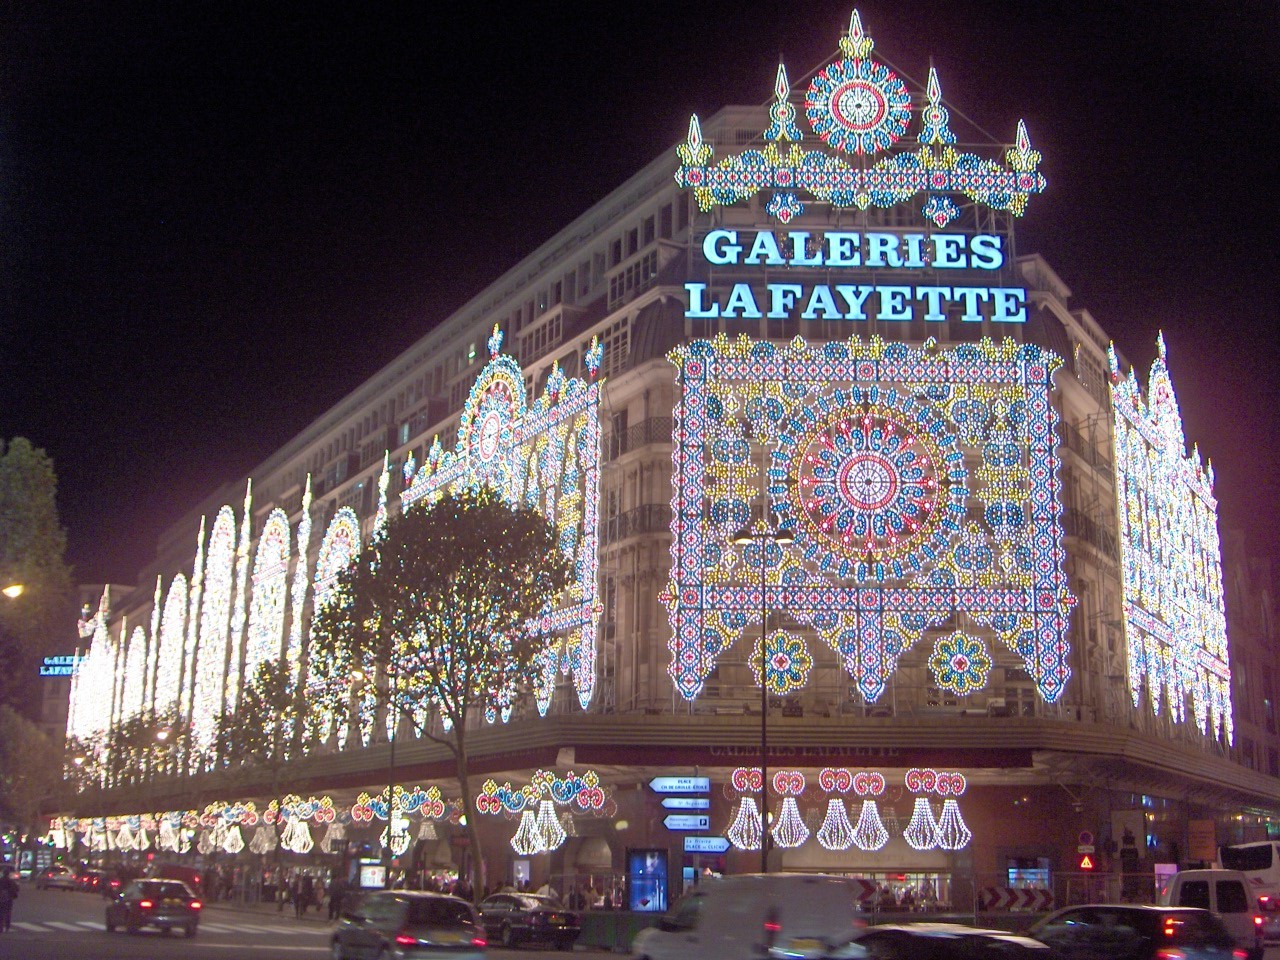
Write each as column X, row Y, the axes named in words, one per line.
column 557, row 921
column 807, row 943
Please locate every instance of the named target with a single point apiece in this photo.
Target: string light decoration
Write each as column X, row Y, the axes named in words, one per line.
column 135, row 674
column 338, row 547
column 786, row 661
column 870, row 832
column 546, row 455
column 836, row 833
column 857, row 107
column 233, row 840
column 1174, row 614
column 270, row 593
column 264, row 840
column 298, row 599
column 953, row 832
column 960, row 663
column 548, row 826
column 745, row 832
column 864, row 444
column 528, row 838
column 922, row 831
column 789, row 830
column 235, row 641
column 215, row 624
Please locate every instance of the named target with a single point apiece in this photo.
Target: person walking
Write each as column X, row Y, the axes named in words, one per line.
column 9, row 891
column 302, row 895
column 337, row 890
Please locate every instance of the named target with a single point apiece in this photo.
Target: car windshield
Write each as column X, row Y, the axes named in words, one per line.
column 165, row 890
column 438, row 912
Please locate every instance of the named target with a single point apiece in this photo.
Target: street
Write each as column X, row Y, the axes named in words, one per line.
column 57, row 925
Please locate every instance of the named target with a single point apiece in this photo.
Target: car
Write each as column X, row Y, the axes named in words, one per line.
column 1226, row 893
column 795, row 915
column 56, row 877
column 1137, row 932
column 90, row 880
column 948, row 941
column 164, row 904
column 407, row 924
column 519, row 918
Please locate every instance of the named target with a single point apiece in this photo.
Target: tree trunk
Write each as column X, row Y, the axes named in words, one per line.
column 478, row 878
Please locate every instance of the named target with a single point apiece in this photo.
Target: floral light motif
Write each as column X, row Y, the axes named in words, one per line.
column 960, row 663
column 546, row 455
column 1175, row 622
column 786, row 662
column 865, row 443
column 857, row 107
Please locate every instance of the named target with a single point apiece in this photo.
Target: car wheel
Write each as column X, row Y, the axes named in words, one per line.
column 131, row 928
column 508, row 938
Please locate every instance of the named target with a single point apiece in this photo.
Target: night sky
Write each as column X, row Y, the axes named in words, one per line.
column 214, row 224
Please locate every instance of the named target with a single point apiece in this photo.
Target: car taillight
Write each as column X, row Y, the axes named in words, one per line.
column 1238, row 954
column 1166, row 953
column 405, row 940
column 195, row 904
column 479, row 942
column 1257, row 920
column 145, row 904
column 771, row 928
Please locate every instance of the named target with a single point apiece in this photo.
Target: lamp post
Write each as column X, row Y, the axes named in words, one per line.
column 761, row 535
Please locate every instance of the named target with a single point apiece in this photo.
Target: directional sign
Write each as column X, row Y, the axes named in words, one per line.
column 687, row 803
column 705, row 844
column 680, row 784
column 686, row 821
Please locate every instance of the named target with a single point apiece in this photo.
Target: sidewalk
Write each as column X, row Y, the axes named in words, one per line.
column 272, row 910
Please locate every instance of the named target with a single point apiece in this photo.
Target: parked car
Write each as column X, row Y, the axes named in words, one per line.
column 1226, row 893
column 948, row 941
column 56, row 877
column 408, row 924
column 519, row 918
column 1130, row 932
column 90, row 880
column 163, row 904
column 794, row 915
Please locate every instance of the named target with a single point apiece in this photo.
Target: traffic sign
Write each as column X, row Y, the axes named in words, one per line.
column 705, row 844
column 680, row 784
column 1086, row 862
column 687, row 803
column 687, row 821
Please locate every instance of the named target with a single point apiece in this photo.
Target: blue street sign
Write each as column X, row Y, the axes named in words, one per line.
column 680, row 784
column 685, row 821
column 705, row 844
column 687, row 803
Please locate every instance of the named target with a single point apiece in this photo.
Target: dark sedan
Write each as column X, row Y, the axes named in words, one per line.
column 1130, row 932
column 407, row 924
column 518, row 918
column 948, row 941
column 163, row 904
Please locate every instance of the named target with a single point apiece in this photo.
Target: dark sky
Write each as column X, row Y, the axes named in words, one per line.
column 215, row 223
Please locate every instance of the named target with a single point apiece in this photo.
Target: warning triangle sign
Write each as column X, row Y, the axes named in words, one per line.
column 1086, row 862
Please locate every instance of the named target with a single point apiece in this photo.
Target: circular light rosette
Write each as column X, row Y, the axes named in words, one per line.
column 858, row 106
column 874, row 483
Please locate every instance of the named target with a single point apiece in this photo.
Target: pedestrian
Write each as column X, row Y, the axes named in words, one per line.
column 337, row 890
column 302, row 895
column 9, row 891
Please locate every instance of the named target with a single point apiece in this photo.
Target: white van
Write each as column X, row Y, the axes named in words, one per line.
column 752, row 916
column 1224, row 892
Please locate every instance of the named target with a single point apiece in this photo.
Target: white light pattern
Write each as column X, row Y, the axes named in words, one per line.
column 870, row 833
column 790, row 830
column 270, row 590
column 922, row 831
column 299, row 598
column 153, row 647
column 1175, row 624
column 173, row 629
column 233, row 841
column 236, row 639
column 193, row 626
column 548, row 826
column 135, row 674
column 836, row 833
column 215, row 614
column 340, row 545
column 527, row 840
column 953, row 833
column 745, row 832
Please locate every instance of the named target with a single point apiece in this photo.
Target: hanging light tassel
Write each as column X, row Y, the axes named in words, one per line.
column 745, row 832
column 549, row 826
column 870, row 833
column 922, row 831
column 168, row 839
column 205, row 843
column 836, row 832
column 567, row 822
column 142, row 841
column 953, row 833
column 528, row 839
column 333, row 837
column 790, row 830
column 427, row 831
column 264, row 839
column 232, row 841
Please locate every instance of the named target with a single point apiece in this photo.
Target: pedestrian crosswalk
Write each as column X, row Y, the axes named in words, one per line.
column 222, row 926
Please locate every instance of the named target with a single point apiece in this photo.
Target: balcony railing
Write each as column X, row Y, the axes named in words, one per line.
column 650, row 518
column 653, row 430
column 1084, row 527
column 1084, row 448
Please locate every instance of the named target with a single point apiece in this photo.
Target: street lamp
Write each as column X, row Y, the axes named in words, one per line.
column 14, row 590
column 762, row 534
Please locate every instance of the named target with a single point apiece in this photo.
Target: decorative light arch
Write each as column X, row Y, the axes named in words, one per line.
column 268, row 600
column 215, row 623
column 135, row 675
column 173, row 630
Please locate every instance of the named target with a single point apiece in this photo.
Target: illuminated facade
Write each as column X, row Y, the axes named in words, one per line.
column 982, row 585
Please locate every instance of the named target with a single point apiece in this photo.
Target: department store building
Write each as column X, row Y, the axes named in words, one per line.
column 805, row 416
